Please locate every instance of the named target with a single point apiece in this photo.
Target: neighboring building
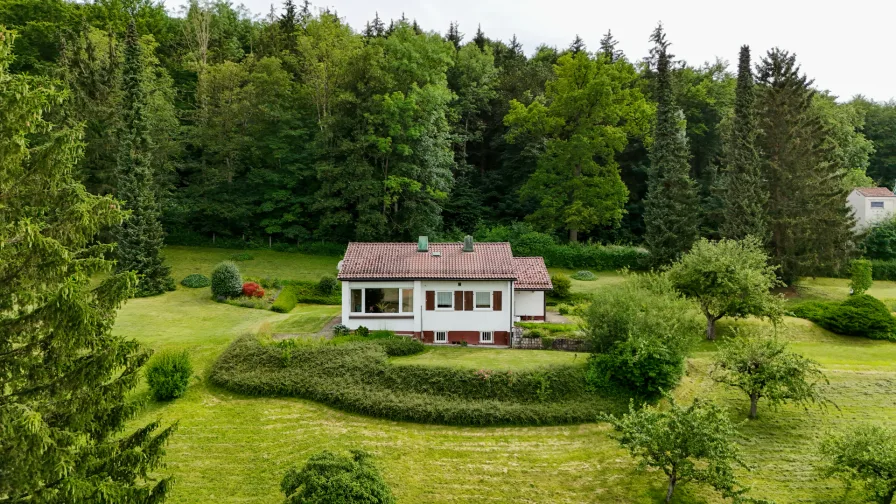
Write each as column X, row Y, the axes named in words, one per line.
column 871, row 204
column 442, row 292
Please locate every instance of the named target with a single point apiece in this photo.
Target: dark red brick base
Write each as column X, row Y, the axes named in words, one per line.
column 471, row 337
column 531, row 317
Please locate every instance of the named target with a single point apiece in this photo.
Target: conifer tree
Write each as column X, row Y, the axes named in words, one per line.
column 378, row 27
column 454, row 35
column 811, row 226
column 671, row 213
column 743, row 194
column 577, row 45
column 140, row 238
column 480, row 39
column 64, row 377
column 608, row 47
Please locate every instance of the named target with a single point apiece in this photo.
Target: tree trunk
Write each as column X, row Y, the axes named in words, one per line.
column 670, row 489
column 754, row 403
column 574, row 235
column 710, row 328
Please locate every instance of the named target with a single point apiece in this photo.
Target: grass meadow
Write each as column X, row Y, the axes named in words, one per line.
column 231, row 448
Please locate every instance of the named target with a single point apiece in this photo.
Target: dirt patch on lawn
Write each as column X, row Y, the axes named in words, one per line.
column 325, row 332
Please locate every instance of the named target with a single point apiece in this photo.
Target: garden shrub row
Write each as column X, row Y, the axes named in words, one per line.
column 285, row 301
column 200, row 240
column 358, row 377
column 859, row 315
column 883, row 270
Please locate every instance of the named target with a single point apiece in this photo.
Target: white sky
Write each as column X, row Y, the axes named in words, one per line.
column 848, row 47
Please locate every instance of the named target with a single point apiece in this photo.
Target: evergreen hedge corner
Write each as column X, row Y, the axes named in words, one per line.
column 226, row 280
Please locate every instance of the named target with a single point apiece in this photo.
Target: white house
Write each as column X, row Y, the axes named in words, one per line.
column 442, row 292
column 871, row 204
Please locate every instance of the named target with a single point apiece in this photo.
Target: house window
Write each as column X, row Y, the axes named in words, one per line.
column 441, row 337
column 407, row 300
column 357, row 301
column 483, row 300
column 381, row 300
column 486, row 337
column 444, row 300
column 877, row 204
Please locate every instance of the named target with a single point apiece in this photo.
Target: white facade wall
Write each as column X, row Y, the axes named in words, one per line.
column 475, row 320
column 436, row 320
column 865, row 214
column 529, row 303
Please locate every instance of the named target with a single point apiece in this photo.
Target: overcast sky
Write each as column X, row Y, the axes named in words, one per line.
column 848, row 47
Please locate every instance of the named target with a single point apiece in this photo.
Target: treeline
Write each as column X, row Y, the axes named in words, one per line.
column 296, row 128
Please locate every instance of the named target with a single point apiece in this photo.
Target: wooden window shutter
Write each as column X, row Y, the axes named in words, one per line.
column 496, row 300
column 468, row 300
column 430, row 300
column 458, row 300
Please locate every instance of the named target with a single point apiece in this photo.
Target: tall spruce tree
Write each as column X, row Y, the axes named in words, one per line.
column 64, row 377
column 811, row 226
column 140, row 238
column 671, row 208
column 608, row 47
column 743, row 194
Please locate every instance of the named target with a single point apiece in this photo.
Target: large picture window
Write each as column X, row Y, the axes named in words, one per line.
column 382, row 300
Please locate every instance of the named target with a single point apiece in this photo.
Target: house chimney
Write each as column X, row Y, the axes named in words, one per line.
column 423, row 244
column 468, row 243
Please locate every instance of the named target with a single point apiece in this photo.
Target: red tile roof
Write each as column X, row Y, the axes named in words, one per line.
column 402, row 261
column 531, row 274
column 876, row 192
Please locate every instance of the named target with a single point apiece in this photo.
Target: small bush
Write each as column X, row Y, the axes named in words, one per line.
column 562, row 286
column 168, row 375
column 242, row 256
column 226, row 280
column 285, row 301
column 327, row 285
column 859, row 315
column 341, row 330
column 584, row 275
column 564, row 309
column 400, row 346
column 362, row 331
column 252, row 289
column 533, row 333
column 196, row 281
column 860, row 276
column 330, row 478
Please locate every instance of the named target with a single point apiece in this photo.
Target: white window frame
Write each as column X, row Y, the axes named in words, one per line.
column 365, row 313
column 450, row 297
column 488, row 296
column 491, row 336
column 877, row 204
column 435, row 337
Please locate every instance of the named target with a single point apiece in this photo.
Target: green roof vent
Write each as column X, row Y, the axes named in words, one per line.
column 423, row 244
column 468, row 243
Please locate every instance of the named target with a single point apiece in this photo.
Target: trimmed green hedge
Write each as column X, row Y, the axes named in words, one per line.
column 859, row 315
column 883, row 270
column 285, row 301
column 358, row 377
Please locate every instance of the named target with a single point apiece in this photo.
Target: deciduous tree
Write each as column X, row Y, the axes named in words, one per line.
column 728, row 278
column 864, row 453
column 762, row 367
column 693, row 444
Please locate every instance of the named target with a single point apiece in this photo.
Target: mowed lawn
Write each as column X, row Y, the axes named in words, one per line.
column 231, row 448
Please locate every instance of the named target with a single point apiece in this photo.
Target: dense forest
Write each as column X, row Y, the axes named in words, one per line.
column 293, row 127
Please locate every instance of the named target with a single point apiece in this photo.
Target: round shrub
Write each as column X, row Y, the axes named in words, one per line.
column 330, row 478
column 168, row 375
column 327, row 285
column 285, row 301
column 196, row 281
column 362, row 331
column 252, row 289
column 341, row 330
column 226, row 280
column 562, row 285
column 584, row 275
